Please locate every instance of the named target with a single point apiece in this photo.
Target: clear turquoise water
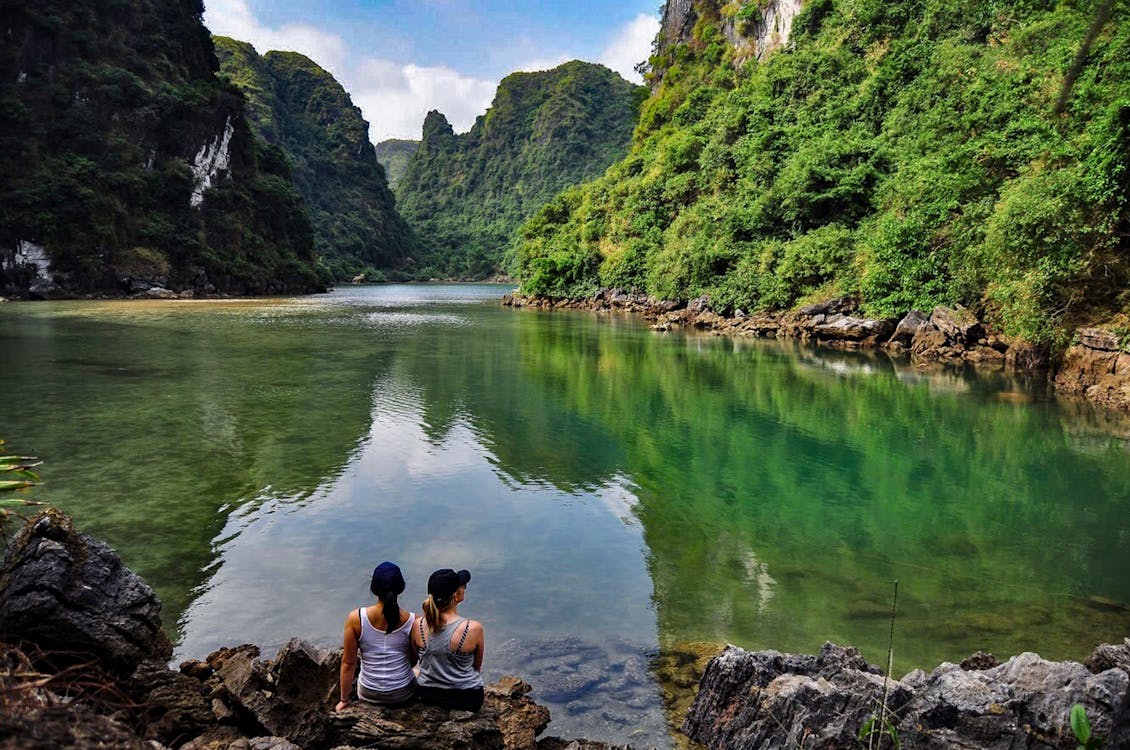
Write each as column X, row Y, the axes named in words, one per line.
column 616, row 493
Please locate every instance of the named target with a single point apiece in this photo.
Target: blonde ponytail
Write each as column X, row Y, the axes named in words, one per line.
column 432, row 614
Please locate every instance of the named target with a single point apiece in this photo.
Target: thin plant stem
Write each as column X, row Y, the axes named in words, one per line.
column 890, row 665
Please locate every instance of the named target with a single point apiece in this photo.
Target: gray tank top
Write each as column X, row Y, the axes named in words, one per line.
column 440, row 666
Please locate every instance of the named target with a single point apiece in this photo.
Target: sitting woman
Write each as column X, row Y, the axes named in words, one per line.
column 451, row 651
column 381, row 634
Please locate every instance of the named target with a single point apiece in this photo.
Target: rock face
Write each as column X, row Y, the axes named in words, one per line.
column 751, row 36
column 1098, row 368
column 766, row 699
column 64, row 590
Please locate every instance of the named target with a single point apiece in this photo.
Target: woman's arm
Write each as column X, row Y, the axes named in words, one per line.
column 348, row 658
column 413, row 649
column 480, row 645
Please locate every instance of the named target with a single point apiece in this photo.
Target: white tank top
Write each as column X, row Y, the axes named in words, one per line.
column 384, row 656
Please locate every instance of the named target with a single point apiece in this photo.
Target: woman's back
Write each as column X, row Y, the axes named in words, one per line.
column 385, row 662
column 443, row 662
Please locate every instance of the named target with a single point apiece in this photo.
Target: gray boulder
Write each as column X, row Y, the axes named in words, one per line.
column 291, row 696
column 847, row 328
column 68, row 592
column 766, row 699
column 508, row 720
column 769, row 700
column 908, row 327
column 835, row 306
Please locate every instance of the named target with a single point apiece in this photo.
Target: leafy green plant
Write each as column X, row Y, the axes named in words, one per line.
column 873, row 728
column 1082, row 728
column 16, row 475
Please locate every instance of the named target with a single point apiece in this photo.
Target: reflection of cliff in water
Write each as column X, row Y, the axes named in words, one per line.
column 185, row 419
column 782, row 490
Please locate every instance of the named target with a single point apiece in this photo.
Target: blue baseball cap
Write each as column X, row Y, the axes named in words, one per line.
column 387, row 579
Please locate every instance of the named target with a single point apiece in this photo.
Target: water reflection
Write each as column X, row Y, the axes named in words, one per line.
column 622, row 497
column 554, row 599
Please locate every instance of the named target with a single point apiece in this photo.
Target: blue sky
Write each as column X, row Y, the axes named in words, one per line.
column 399, row 59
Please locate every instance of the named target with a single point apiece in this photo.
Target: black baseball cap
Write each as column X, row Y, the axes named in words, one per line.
column 387, row 578
column 443, row 583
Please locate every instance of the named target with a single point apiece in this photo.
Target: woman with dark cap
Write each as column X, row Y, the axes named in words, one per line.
column 451, row 649
column 381, row 633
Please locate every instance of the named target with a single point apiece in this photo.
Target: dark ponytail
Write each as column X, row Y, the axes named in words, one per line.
column 391, row 611
column 387, row 583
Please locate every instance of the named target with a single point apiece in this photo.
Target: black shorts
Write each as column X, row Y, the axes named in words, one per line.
column 470, row 699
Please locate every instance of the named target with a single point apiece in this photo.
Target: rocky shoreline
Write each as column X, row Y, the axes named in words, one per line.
column 83, row 663
column 1095, row 367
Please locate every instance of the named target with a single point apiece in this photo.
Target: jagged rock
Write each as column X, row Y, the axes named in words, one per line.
column 1109, row 656
column 774, row 700
column 1099, row 374
column 174, row 707
column 556, row 743
column 508, row 719
column 218, row 658
column 907, row 327
column 699, row 304
column 272, row 743
column 64, row 590
column 219, row 738
column 197, row 669
column 767, row 699
column 1024, row 703
column 291, row 696
column 979, row 661
column 959, row 325
column 519, row 719
column 847, row 328
column 1097, row 338
column 835, row 306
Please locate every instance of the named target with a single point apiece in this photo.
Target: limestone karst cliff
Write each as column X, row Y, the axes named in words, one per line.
column 465, row 194
column 907, row 155
column 299, row 107
column 127, row 165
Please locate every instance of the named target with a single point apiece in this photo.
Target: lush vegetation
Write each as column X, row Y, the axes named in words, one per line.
column 909, row 153
column 299, row 107
column 104, row 105
column 394, row 155
column 466, row 194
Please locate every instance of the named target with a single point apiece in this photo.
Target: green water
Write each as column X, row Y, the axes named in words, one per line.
column 616, row 493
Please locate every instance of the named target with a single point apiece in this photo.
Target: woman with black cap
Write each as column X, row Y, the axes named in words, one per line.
column 451, row 651
column 381, row 633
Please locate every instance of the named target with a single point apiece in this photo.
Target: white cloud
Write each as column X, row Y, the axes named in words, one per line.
column 395, row 98
column 631, row 45
column 234, row 18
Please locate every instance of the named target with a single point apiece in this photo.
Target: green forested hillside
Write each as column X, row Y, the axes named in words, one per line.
column 131, row 164
column 465, row 194
column 299, row 107
column 394, row 155
column 908, row 153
